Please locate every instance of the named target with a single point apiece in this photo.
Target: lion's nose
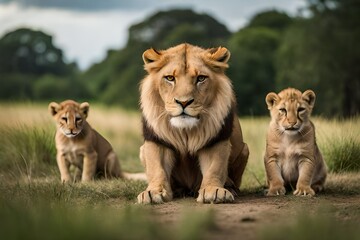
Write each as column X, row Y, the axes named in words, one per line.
column 184, row 104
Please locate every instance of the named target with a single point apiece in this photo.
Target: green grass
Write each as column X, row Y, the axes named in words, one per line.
column 98, row 210
column 322, row 224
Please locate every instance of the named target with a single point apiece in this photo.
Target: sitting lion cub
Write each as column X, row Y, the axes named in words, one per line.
column 292, row 157
column 80, row 145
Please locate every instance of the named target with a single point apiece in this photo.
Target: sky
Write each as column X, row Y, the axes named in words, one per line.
column 86, row 29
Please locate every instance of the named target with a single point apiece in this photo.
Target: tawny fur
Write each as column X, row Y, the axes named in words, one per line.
column 187, row 103
column 79, row 145
column 292, row 157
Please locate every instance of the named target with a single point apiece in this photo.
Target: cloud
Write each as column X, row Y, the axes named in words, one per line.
column 83, row 5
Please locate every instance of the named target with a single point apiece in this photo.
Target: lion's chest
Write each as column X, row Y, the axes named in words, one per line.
column 186, row 178
column 290, row 153
column 74, row 154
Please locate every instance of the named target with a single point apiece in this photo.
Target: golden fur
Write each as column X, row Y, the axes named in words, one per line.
column 79, row 145
column 193, row 140
column 292, row 157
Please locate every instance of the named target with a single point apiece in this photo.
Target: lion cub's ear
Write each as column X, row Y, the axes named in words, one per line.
column 309, row 96
column 151, row 55
column 84, row 108
column 54, row 108
column 271, row 99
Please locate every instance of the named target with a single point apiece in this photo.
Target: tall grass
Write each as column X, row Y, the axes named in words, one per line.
column 339, row 141
column 26, row 151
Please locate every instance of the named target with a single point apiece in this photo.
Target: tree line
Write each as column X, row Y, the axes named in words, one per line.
column 317, row 49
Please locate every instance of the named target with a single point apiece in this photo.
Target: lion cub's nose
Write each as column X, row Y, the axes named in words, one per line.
column 184, row 104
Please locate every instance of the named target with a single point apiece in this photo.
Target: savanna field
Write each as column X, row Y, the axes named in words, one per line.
column 35, row 205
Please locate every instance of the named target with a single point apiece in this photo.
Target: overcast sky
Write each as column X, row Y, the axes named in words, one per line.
column 86, row 29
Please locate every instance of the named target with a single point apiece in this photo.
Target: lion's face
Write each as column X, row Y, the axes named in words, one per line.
column 290, row 109
column 70, row 116
column 187, row 79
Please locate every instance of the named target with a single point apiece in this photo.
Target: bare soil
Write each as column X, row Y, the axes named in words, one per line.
column 250, row 214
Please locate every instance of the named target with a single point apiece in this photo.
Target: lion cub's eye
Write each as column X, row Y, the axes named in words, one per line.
column 282, row 110
column 77, row 119
column 64, row 119
column 201, row 78
column 301, row 109
column 170, row 78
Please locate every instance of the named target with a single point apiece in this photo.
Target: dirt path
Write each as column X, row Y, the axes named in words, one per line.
column 245, row 218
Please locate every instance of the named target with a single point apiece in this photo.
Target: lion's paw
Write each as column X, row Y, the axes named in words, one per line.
column 214, row 195
column 304, row 191
column 276, row 191
column 154, row 196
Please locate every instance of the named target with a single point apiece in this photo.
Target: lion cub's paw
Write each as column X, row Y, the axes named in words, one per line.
column 276, row 191
column 304, row 191
column 154, row 196
column 214, row 195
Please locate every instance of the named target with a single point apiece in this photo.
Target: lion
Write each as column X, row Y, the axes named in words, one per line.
column 193, row 144
column 78, row 144
column 292, row 157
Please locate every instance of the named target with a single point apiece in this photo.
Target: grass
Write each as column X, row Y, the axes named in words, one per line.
column 322, row 224
column 35, row 205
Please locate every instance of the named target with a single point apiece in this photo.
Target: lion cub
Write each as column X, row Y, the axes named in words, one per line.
column 292, row 158
column 79, row 145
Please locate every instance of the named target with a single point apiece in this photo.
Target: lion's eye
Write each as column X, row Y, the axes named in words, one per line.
column 201, row 78
column 64, row 119
column 301, row 109
column 170, row 78
column 282, row 110
column 77, row 119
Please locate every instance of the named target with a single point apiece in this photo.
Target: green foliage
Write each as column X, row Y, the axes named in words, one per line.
column 206, row 31
column 342, row 154
column 271, row 19
column 322, row 53
column 31, row 52
column 252, row 69
column 59, row 88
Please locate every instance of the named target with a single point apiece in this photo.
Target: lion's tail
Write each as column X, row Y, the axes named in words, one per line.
column 135, row 176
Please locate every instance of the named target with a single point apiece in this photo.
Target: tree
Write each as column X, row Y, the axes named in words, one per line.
column 252, row 63
column 116, row 79
column 322, row 53
column 31, row 52
column 31, row 67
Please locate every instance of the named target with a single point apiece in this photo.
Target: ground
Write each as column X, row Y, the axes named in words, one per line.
column 250, row 215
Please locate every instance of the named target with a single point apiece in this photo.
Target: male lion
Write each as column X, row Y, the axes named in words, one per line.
column 79, row 145
column 292, row 157
column 193, row 140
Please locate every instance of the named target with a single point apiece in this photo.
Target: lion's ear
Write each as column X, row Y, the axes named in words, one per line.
column 54, row 108
column 309, row 96
column 218, row 58
column 271, row 99
column 220, row 54
column 84, row 108
column 151, row 55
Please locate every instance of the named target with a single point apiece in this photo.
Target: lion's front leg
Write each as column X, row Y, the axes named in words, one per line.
column 274, row 177
column 89, row 166
column 158, row 161
column 214, row 166
column 306, row 171
column 63, row 165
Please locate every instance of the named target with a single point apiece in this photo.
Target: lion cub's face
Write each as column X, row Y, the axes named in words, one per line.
column 70, row 116
column 290, row 109
column 187, row 78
